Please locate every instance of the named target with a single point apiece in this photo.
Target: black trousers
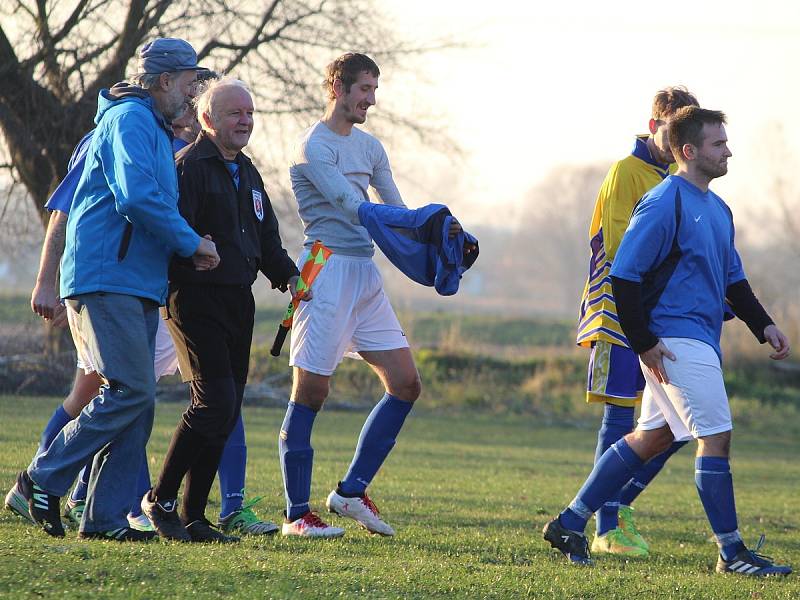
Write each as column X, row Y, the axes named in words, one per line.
column 212, row 327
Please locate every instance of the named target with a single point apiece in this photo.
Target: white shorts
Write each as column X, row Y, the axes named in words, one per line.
column 694, row 404
column 166, row 360
column 349, row 313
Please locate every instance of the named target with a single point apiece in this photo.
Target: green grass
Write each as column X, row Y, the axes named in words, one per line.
column 468, row 495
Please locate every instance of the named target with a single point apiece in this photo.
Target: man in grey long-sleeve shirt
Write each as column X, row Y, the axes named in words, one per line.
column 334, row 166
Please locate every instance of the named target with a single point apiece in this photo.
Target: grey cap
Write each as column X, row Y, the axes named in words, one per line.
column 165, row 55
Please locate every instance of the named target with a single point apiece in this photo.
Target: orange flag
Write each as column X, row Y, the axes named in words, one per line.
column 315, row 260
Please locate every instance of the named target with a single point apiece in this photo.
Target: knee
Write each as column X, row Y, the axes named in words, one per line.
column 715, row 445
column 139, row 390
column 662, row 444
column 311, row 395
column 407, row 388
column 648, row 444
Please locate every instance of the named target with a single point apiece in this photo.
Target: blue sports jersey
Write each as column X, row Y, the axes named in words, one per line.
column 680, row 247
column 61, row 199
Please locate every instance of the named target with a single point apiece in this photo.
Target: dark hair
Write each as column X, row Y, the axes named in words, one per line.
column 686, row 126
column 669, row 100
column 347, row 68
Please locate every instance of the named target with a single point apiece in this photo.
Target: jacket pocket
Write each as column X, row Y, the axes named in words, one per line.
column 125, row 242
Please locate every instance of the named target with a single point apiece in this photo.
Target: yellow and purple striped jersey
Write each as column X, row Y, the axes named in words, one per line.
column 626, row 182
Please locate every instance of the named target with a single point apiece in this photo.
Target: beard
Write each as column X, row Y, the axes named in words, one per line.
column 175, row 107
column 711, row 169
column 174, row 112
column 355, row 117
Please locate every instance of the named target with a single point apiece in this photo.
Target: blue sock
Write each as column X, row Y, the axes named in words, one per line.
column 297, row 458
column 82, row 485
column 142, row 487
column 232, row 467
column 54, row 425
column 712, row 475
column 646, row 474
column 377, row 439
column 613, row 469
column 617, row 422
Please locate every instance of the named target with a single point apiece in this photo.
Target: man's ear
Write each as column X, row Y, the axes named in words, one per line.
column 164, row 81
column 338, row 88
column 205, row 121
column 653, row 126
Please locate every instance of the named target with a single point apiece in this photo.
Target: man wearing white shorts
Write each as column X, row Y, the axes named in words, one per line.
column 331, row 172
column 675, row 268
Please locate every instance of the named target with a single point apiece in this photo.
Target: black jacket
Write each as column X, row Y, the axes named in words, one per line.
column 211, row 204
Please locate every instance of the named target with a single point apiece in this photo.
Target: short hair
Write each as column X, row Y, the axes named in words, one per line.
column 669, row 100
column 686, row 126
column 204, row 103
column 149, row 81
column 347, row 68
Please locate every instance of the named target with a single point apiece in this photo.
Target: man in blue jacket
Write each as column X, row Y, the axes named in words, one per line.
column 123, row 228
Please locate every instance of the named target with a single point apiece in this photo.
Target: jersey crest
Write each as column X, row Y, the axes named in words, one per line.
column 258, row 205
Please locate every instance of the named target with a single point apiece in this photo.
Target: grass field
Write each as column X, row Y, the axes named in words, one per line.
column 468, row 496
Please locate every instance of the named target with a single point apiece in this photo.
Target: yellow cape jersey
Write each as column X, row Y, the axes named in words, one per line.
column 626, row 182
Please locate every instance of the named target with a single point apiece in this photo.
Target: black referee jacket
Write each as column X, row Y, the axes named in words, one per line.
column 241, row 222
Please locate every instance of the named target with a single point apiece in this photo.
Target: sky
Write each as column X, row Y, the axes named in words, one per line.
column 533, row 87
column 536, row 86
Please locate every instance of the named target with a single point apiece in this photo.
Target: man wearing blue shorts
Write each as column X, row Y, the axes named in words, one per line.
column 674, row 271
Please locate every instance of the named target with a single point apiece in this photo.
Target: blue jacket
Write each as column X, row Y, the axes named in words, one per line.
column 124, row 223
column 416, row 241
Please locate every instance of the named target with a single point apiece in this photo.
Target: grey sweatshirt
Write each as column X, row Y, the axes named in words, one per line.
column 330, row 175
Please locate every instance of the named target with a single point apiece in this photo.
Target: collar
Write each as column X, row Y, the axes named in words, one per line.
column 642, row 152
column 204, row 147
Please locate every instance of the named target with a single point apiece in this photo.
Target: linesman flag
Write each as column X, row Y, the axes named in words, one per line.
column 316, row 259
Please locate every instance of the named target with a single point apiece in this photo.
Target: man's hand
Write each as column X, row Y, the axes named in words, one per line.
column 293, row 289
column 777, row 339
column 44, row 300
column 653, row 360
column 205, row 257
column 60, row 317
column 455, row 229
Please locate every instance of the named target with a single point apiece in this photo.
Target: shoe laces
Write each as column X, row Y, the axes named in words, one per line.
column 246, row 513
column 313, row 519
column 762, row 558
column 370, row 505
column 203, row 522
column 626, row 516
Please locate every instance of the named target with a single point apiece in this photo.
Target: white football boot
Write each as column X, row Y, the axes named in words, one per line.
column 310, row 525
column 361, row 509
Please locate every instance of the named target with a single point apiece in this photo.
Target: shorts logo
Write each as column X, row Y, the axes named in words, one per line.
column 258, row 205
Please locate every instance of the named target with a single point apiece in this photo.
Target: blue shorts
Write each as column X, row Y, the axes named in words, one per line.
column 614, row 375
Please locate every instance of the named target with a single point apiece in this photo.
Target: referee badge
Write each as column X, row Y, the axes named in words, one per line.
column 258, row 205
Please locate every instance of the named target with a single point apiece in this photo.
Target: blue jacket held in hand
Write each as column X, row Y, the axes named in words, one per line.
column 124, row 224
column 416, row 241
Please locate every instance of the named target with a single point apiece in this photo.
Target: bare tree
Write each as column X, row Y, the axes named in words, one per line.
column 56, row 56
column 550, row 248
